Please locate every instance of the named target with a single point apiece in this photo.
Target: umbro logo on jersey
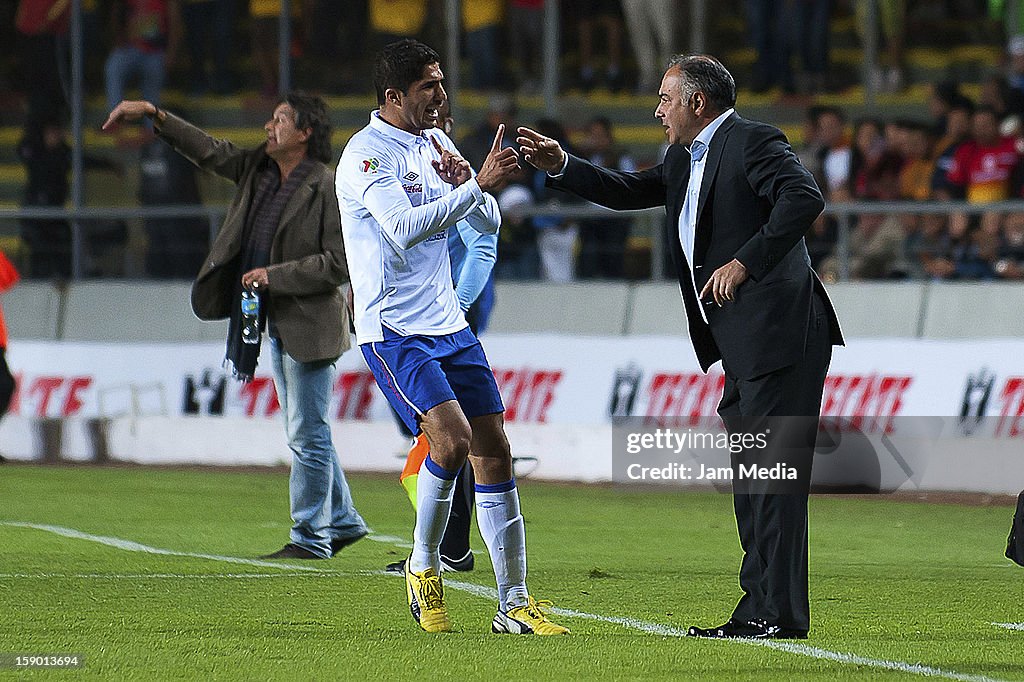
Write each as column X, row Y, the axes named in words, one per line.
column 410, row 176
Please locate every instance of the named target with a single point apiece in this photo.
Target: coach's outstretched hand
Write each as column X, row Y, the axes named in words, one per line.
column 500, row 165
column 130, row 110
column 541, row 151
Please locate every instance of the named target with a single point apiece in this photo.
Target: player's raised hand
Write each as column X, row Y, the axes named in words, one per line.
column 500, row 165
column 541, row 151
column 452, row 168
column 129, row 110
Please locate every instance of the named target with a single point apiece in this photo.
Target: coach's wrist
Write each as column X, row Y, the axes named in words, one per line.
column 157, row 114
column 561, row 167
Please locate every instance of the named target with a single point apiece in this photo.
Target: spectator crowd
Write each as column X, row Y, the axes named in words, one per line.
column 969, row 151
column 965, row 149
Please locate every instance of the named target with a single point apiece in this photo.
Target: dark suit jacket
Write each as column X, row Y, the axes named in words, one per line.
column 756, row 203
column 307, row 256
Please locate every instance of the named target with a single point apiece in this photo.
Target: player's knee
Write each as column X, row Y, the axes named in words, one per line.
column 461, row 440
column 450, row 447
column 490, row 441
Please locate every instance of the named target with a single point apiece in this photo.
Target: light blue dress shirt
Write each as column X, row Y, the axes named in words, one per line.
column 688, row 216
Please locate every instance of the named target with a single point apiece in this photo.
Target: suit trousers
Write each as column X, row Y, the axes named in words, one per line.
column 772, row 525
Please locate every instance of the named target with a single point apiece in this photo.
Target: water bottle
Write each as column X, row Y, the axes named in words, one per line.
column 250, row 317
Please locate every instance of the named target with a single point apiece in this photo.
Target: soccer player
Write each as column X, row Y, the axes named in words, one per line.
column 473, row 255
column 401, row 185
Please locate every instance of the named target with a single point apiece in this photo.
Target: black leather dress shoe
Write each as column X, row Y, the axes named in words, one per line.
column 292, row 551
column 754, row 629
column 777, row 632
column 338, row 544
column 734, row 629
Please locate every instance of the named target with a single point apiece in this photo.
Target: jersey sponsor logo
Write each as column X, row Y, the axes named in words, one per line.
column 442, row 235
column 413, row 189
column 369, row 165
column 410, row 176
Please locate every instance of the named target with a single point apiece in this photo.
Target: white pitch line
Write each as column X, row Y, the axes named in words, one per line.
column 1010, row 626
column 176, row 576
column 397, row 541
column 492, row 594
column 130, row 546
column 854, row 659
column 390, row 540
column 789, row 647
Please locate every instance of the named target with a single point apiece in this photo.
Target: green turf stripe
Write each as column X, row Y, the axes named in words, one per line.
column 492, row 594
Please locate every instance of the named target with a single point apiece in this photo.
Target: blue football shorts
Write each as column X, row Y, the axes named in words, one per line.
column 418, row 372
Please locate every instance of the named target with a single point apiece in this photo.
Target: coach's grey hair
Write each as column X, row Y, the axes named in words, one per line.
column 706, row 74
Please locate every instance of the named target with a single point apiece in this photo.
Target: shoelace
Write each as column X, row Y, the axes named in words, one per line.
column 433, row 594
column 537, row 609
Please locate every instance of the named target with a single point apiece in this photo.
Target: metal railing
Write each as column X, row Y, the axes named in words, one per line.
column 649, row 222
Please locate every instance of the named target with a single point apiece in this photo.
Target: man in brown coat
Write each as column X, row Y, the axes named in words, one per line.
column 281, row 239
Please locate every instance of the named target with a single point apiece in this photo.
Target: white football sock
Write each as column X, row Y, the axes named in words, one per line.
column 433, row 504
column 503, row 531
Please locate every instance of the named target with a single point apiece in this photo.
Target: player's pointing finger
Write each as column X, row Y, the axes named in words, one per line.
column 497, row 137
column 437, row 145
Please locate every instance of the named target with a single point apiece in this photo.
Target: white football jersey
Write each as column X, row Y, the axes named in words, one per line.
column 395, row 213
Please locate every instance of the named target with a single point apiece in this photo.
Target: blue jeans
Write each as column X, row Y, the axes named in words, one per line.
column 129, row 62
column 321, row 503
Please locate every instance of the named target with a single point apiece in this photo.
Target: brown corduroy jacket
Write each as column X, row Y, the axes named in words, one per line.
column 307, row 257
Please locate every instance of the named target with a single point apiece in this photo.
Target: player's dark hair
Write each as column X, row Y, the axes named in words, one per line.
column 311, row 113
column 400, row 64
column 703, row 73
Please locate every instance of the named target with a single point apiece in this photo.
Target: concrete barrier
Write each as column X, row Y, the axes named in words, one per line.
column 151, row 311
column 33, row 311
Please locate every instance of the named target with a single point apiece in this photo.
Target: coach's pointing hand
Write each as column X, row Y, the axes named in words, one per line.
column 541, row 151
column 499, row 166
column 131, row 110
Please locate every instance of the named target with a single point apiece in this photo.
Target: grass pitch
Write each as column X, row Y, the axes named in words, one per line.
column 893, row 585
